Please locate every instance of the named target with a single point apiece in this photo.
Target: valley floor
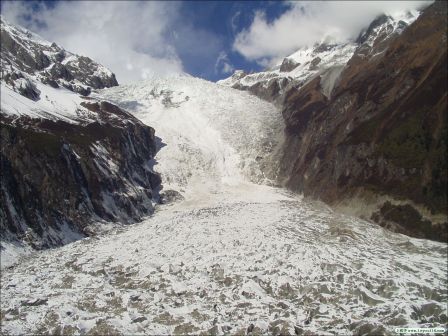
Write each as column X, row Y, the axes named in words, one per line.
column 258, row 259
column 233, row 257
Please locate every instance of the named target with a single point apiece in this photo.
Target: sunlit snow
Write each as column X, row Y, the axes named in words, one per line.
column 234, row 256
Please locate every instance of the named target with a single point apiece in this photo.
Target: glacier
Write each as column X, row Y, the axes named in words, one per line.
column 236, row 254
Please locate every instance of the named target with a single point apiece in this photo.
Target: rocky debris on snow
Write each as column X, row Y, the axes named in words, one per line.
column 35, row 302
column 288, row 65
column 288, row 274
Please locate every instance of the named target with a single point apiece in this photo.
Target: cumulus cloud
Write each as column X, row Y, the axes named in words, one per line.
column 223, row 65
column 130, row 37
column 307, row 22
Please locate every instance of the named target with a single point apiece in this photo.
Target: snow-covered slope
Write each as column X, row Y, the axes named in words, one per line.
column 40, row 79
column 246, row 259
column 54, row 104
column 25, row 54
column 302, row 65
column 211, row 135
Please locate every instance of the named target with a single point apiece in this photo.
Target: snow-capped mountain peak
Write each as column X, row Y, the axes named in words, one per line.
column 27, row 55
column 40, row 78
column 325, row 58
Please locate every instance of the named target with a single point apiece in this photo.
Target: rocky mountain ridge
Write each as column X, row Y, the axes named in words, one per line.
column 325, row 59
column 366, row 131
column 25, row 54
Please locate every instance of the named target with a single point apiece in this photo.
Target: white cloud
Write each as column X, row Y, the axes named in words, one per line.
column 223, row 64
column 227, row 68
column 234, row 21
column 307, row 22
column 129, row 37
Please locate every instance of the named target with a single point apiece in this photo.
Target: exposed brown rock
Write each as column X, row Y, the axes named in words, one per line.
column 384, row 129
column 288, row 65
column 314, row 63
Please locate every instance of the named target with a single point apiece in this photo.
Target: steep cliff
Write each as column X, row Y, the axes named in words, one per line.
column 67, row 161
column 381, row 137
column 365, row 121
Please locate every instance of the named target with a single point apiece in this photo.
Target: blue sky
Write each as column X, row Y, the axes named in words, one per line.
column 213, row 24
column 224, row 19
column 208, row 39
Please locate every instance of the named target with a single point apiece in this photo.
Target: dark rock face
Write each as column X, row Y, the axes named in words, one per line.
column 82, row 69
column 62, row 172
column 392, row 217
column 57, row 177
column 269, row 90
column 379, row 21
column 22, row 85
column 382, row 132
column 288, row 65
column 170, row 196
column 314, row 63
